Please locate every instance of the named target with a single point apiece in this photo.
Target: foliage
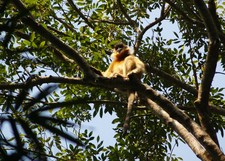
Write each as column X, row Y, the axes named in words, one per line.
column 48, row 88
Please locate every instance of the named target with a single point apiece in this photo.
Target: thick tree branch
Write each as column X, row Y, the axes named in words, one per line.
column 42, row 80
column 209, row 69
column 184, row 119
column 28, row 20
column 181, row 130
column 34, row 81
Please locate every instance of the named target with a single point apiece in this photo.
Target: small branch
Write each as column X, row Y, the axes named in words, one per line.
column 111, row 22
column 123, row 10
column 80, row 13
column 170, row 78
column 82, row 101
column 220, row 73
column 182, row 13
column 61, row 56
column 141, row 34
column 57, row 31
column 214, row 109
column 64, row 23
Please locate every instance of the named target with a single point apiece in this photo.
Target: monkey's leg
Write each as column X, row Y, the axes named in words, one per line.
column 131, row 99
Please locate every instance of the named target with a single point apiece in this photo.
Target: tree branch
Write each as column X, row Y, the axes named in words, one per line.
column 80, row 13
column 172, row 79
column 82, row 101
column 181, row 130
column 123, row 10
column 182, row 13
column 214, row 109
column 184, row 119
column 111, row 22
column 28, row 20
column 35, row 80
column 209, row 69
column 41, row 80
column 141, row 34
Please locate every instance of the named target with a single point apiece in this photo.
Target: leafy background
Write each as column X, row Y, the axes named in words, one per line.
column 48, row 90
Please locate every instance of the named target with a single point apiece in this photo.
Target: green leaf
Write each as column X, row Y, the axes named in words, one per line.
column 32, row 36
column 42, row 44
column 26, row 42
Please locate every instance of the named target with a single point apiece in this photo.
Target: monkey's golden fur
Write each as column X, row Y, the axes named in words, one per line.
column 124, row 63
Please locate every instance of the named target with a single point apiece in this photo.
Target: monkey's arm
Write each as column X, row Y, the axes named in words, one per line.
column 110, row 71
column 133, row 65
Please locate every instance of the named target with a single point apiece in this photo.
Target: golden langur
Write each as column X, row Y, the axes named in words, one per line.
column 124, row 64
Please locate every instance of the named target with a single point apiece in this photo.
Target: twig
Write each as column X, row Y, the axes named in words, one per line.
column 141, row 34
column 123, row 10
column 111, row 22
column 183, row 14
column 81, row 14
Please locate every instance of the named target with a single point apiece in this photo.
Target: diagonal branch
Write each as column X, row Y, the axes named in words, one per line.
column 181, row 130
column 170, row 78
column 182, row 118
column 80, row 14
column 141, row 34
column 33, row 81
column 182, row 13
column 28, row 20
column 123, row 10
column 209, row 69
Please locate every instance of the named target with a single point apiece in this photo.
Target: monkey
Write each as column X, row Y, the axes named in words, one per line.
column 123, row 65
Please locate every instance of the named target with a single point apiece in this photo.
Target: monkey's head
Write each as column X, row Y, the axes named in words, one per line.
column 120, row 51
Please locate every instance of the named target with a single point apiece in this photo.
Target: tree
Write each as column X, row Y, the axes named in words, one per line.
column 51, row 55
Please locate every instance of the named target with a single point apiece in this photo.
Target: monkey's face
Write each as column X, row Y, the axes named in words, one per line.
column 119, row 47
column 120, row 51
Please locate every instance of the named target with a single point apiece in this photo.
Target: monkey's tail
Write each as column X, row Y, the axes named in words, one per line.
column 130, row 103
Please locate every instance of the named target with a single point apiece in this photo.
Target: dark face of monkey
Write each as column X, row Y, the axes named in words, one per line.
column 121, row 51
column 119, row 47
